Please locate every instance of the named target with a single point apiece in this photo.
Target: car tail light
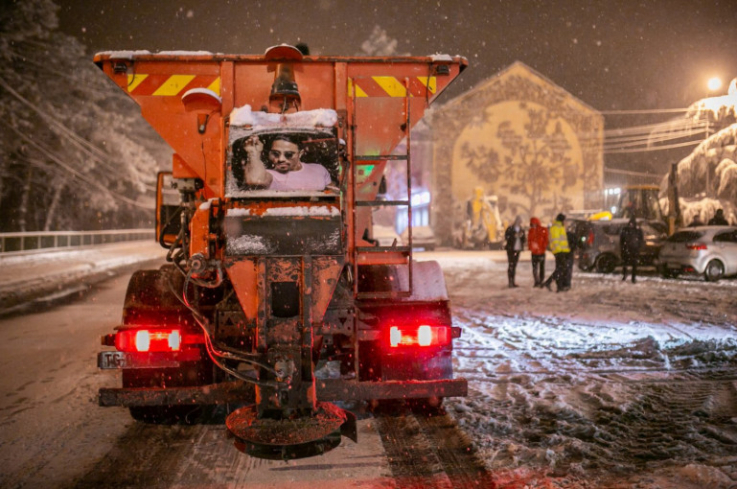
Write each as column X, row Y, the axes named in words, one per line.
column 423, row 335
column 696, row 246
column 153, row 340
column 590, row 238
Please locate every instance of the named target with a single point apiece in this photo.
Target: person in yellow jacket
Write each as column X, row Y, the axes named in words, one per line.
column 558, row 245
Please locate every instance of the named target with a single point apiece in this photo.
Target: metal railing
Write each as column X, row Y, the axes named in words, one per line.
column 44, row 241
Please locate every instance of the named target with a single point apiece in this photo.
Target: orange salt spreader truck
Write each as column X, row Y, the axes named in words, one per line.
column 280, row 300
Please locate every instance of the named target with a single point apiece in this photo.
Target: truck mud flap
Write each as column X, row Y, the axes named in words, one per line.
column 240, row 392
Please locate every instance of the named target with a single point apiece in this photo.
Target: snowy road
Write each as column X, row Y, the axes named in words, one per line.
column 610, row 385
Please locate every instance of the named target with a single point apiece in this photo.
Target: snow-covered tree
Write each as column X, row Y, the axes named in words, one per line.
column 68, row 159
column 707, row 178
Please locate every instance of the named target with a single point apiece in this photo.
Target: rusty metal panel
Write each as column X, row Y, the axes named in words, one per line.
column 325, row 274
column 269, row 236
column 243, row 275
column 199, row 232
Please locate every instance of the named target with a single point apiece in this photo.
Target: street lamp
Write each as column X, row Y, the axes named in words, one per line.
column 714, row 83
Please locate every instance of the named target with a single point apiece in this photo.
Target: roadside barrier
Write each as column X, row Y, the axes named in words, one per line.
column 45, row 241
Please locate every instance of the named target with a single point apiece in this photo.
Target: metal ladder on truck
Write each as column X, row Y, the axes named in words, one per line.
column 362, row 169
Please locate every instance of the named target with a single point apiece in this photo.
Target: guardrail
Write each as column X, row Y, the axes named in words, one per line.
column 44, row 241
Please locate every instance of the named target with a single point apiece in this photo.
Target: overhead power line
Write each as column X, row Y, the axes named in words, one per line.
column 654, row 148
column 643, row 111
column 71, row 170
column 85, row 146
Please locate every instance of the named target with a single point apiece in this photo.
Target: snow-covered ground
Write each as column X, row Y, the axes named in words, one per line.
column 46, row 276
column 611, row 384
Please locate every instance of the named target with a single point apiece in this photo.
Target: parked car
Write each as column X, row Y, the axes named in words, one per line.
column 422, row 237
column 710, row 251
column 386, row 236
column 600, row 244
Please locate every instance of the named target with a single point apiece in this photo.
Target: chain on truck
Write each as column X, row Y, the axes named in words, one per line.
column 280, row 301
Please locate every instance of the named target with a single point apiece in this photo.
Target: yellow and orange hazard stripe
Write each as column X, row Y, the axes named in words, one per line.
column 372, row 86
column 170, row 85
column 390, row 86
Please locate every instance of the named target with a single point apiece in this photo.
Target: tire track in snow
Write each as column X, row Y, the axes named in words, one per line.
column 430, row 451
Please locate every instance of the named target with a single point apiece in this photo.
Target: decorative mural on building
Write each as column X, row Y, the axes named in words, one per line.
column 523, row 139
column 533, row 159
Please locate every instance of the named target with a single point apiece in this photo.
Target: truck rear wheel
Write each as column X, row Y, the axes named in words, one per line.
column 150, row 299
column 191, row 375
column 430, row 406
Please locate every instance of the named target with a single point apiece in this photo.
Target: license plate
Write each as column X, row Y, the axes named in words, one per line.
column 113, row 359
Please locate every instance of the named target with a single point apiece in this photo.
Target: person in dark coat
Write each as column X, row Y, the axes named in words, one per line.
column 514, row 237
column 630, row 242
column 537, row 242
column 718, row 219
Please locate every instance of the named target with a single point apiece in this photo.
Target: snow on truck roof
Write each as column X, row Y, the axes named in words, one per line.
column 131, row 54
column 244, row 116
column 144, row 52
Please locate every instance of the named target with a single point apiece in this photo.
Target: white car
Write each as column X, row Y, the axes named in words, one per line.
column 710, row 251
column 422, row 237
column 386, row 236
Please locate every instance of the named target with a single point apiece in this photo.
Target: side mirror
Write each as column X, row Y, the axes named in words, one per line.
column 168, row 210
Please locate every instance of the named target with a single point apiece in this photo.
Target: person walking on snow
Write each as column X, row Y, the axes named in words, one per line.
column 559, row 247
column 537, row 242
column 515, row 239
column 630, row 242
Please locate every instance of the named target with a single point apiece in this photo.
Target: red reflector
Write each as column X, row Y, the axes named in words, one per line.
column 153, row 340
column 699, row 246
column 423, row 335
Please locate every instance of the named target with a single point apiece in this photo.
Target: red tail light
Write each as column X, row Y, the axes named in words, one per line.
column 422, row 335
column 697, row 246
column 152, row 340
column 590, row 238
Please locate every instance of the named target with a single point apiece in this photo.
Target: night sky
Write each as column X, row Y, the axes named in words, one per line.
column 612, row 55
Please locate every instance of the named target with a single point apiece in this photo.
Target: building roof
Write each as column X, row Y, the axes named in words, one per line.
column 518, row 67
